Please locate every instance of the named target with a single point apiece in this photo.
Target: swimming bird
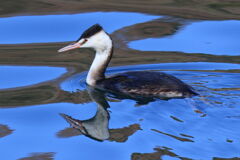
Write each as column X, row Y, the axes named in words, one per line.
column 131, row 84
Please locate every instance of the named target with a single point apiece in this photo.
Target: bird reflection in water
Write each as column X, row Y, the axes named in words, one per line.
column 97, row 126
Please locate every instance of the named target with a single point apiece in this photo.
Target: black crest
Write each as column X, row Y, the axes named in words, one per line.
column 91, row 31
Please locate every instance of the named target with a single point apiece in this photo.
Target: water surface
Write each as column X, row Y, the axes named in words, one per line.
column 215, row 126
column 210, row 37
column 61, row 28
column 18, row 76
column 202, row 127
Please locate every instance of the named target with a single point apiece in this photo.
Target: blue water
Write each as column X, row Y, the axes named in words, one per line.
column 209, row 37
column 19, row 76
column 61, row 28
column 36, row 126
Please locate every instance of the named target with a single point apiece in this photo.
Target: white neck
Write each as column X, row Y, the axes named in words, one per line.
column 99, row 65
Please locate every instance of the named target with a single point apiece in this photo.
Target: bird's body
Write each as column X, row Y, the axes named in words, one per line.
column 145, row 84
column 131, row 84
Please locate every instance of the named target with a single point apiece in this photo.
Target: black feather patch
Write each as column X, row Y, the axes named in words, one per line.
column 91, row 31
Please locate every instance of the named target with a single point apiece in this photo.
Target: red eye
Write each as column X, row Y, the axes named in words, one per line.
column 84, row 41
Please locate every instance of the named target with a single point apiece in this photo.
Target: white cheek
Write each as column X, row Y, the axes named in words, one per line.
column 100, row 45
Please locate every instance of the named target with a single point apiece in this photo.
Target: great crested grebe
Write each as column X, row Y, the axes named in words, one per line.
column 135, row 83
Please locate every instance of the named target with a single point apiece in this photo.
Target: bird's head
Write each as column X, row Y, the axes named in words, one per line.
column 94, row 37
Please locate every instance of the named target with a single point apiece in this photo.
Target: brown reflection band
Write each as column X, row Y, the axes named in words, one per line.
column 216, row 9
